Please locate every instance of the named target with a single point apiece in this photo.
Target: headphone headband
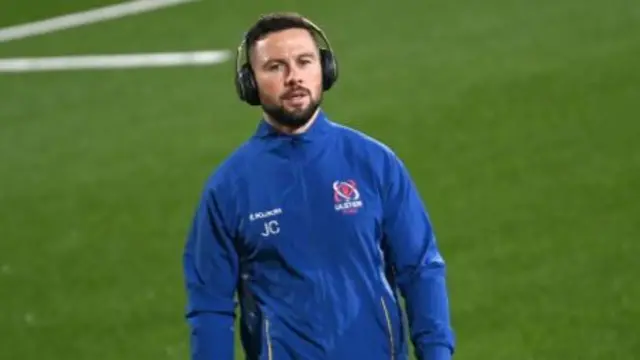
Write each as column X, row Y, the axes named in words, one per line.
column 308, row 23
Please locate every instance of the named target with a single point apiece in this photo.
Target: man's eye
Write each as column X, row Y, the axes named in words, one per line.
column 274, row 67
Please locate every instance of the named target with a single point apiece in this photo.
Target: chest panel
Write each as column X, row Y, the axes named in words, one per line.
column 309, row 213
column 345, row 210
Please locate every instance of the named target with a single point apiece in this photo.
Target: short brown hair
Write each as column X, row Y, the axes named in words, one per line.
column 274, row 22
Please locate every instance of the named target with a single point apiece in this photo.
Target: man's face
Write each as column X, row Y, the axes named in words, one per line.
column 288, row 73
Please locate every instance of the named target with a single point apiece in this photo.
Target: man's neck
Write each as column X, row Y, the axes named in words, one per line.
column 289, row 130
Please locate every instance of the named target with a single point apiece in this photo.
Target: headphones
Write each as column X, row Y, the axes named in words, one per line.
column 247, row 87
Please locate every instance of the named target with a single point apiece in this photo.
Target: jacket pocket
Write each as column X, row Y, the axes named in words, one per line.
column 267, row 343
column 391, row 330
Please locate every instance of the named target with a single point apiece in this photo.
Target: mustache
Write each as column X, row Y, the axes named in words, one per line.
column 296, row 91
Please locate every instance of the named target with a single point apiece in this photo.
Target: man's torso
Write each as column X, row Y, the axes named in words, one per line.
column 310, row 242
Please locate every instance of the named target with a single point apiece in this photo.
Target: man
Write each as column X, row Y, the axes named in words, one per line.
column 312, row 225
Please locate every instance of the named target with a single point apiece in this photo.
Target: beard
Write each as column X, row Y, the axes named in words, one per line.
column 292, row 119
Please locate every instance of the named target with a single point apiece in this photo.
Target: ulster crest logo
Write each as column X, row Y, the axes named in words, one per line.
column 346, row 196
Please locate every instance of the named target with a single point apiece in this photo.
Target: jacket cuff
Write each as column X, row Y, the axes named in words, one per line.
column 436, row 352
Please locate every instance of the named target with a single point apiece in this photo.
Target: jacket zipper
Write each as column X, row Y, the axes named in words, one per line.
column 389, row 328
column 268, row 336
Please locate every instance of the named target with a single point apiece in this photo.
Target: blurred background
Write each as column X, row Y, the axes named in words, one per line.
column 517, row 119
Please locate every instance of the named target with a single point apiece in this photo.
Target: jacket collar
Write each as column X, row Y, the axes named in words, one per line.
column 318, row 128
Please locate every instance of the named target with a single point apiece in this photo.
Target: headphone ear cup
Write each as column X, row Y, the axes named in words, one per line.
column 329, row 69
column 246, row 86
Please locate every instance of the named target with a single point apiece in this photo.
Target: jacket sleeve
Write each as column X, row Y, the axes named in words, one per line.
column 210, row 272
column 418, row 265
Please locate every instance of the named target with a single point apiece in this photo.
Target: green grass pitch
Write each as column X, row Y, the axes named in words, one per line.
column 518, row 120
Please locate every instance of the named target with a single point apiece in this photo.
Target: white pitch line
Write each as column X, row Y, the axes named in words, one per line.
column 120, row 61
column 84, row 18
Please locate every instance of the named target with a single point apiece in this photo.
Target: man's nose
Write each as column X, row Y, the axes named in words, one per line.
column 294, row 75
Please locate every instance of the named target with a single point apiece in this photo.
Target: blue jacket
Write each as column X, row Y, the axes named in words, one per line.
column 314, row 234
